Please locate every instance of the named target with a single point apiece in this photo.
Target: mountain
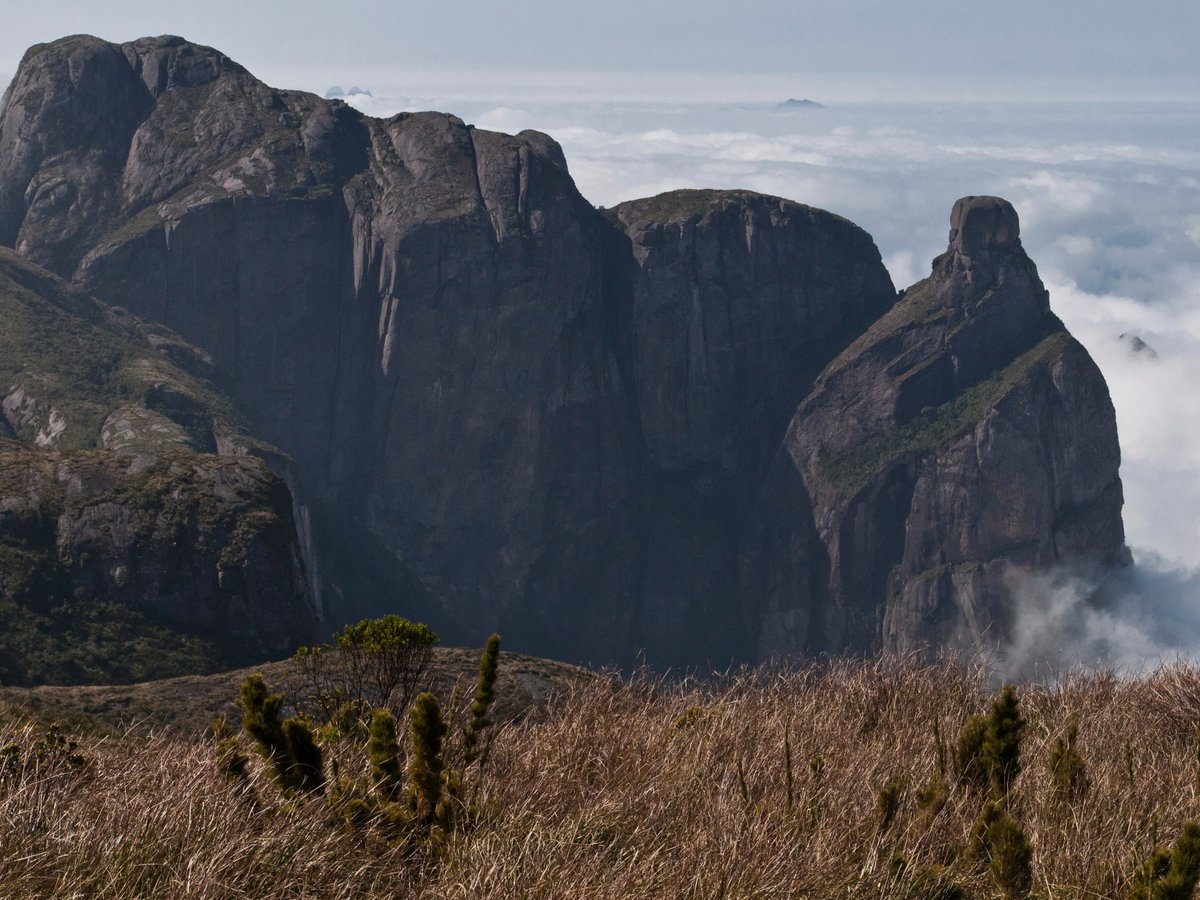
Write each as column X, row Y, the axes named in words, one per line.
column 699, row 426
column 138, row 535
column 793, row 104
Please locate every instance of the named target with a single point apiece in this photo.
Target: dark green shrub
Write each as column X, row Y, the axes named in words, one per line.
column 989, row 747
column 425, row 764
column 305, row 763
column 289, row 748
column 1174, row 874
column 383, row 750
column 1002, row 747
column 999, row 841
column 1068, row 772
column 1011, row 858
column 932, row 798
column 968, row 752
column 260, row 720
column 981, row 833
column 485, row 695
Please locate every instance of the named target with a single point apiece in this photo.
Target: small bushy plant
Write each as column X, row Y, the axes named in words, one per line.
column 427, row 729
column 989, row 746
column 485, row 695
column 383, row 751
column 1173, row 874
column 999, row 841
column 1068, row 772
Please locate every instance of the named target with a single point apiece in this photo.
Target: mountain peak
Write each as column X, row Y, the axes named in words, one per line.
column 983, row 223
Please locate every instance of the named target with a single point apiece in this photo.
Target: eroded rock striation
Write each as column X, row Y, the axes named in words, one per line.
column 697, row 425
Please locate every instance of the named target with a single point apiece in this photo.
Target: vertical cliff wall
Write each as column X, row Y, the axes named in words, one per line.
column 508, row 410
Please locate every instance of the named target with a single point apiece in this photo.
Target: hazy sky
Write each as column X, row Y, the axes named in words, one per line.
column 840, row 47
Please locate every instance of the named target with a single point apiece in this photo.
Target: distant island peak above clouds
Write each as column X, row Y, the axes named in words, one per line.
column 793, row 103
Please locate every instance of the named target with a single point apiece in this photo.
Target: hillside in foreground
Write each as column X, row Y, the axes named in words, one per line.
column 644, row 789
column 187, row 705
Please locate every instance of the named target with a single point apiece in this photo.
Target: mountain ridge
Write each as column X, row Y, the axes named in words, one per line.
column 570, row 425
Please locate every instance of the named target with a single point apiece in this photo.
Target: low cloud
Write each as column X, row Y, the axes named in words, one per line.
column 1134, row 621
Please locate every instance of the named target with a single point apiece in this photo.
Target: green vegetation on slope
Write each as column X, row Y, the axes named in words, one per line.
column 73, row 356
column 852, row 470
column 88, row 642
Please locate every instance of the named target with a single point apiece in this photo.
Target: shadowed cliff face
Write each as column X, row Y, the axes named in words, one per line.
column 129, row 547
column 543, row 419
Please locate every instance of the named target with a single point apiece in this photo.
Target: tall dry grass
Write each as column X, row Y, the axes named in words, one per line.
column 641, row 789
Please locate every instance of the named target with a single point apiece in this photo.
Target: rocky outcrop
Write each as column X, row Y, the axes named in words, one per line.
column 183, row 561
column 507, row 410
column 117, row 513
column 964, row 437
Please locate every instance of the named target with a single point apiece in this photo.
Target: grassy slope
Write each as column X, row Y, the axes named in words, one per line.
column 614, row 795
column 191, row 703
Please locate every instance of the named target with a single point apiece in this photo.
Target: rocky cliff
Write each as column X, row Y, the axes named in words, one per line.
column 129, row 548
column 690, row 425
column 963, row 439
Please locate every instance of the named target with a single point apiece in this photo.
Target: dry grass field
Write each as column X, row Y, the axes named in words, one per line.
column 637, row 788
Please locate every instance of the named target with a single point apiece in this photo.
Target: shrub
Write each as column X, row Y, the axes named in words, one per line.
column 288, row 747
column 932, row 798
column 1174, row 874
column 981, row 833
column 968, row 752
column 887, row 804
column 425, row 763
column 485, row 695
column 376, row 662
column 1000, row 841
column 1011, row 858
column 989, row 747
column 1068, row 772
column 1002, row 747
column 305, row 763
column 384, row 753
column 260, row 720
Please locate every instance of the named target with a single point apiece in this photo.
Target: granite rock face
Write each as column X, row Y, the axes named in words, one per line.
column 963, row 438
column 507, row 409
column 116, row 511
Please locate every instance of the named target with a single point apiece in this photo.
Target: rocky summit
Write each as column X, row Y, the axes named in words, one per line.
column 702, row 426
